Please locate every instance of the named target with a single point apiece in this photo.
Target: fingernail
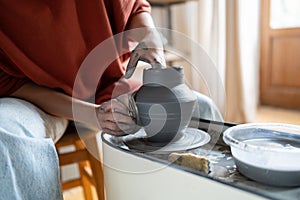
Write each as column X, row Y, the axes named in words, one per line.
column 101, row 109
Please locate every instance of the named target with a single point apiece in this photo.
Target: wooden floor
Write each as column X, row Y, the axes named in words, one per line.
column 77, row 194
column 277, row 115
column 264, row 114
column 73, row 194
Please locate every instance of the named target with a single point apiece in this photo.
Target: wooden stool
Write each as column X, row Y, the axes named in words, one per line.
column 90, row 168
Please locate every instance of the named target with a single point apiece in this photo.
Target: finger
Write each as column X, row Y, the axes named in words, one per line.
column 155, row 59
column 132, row 129
column 116, row 117
column 134, row 58
column 123, row 99
column 119, row 128
column 127, row 127
column 110, row 128
column 122, row 131
column 106, row 106
column 110, row 125
column 146, row 59
column 114, row 133
column 115, row 106
column 117, row 122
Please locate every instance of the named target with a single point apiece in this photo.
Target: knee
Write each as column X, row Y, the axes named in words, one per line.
column 20, row 118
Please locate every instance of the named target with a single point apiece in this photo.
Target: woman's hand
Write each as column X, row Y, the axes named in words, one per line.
column 150, row 50
column 116, row 117
column 150, row 46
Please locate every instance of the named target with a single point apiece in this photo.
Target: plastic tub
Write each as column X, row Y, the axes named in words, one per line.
column 266, row 152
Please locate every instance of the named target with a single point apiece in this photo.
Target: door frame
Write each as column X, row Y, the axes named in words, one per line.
column 269, row 94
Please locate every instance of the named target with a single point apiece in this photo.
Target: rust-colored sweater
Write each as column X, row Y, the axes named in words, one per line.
column 47, row 41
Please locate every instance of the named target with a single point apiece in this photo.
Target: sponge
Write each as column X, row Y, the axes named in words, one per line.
column 191, row 161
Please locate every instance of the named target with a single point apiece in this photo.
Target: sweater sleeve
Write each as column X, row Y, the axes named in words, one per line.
column 11, row 79
column 120, row 11
column 9, row 84
column 141, row 6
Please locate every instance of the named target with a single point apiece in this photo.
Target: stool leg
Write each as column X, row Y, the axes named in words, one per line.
column 98, row 176
column 86, row 185
column 96, row 166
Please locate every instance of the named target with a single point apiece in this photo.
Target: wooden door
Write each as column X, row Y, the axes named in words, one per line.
column 280, row 56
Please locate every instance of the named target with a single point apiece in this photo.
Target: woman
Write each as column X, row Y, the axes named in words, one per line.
column 43, row 45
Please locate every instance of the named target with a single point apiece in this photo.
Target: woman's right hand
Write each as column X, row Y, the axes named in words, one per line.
column 116, row 118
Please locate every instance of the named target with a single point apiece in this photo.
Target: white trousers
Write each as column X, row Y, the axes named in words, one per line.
column 28, row 160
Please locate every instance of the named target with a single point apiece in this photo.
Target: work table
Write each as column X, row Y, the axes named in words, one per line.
column 135, row 175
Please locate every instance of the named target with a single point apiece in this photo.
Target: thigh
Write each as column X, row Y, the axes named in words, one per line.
column 27, row 120
column 28, row 158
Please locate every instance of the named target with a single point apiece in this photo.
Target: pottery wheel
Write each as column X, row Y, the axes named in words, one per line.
column 191, row 139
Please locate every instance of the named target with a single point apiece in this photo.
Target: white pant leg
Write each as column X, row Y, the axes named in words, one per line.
column 206, row 109
column 28, row 159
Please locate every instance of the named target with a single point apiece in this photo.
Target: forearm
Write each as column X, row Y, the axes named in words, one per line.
column 150, row 49
column 58, row 104
column 140, row 20
column 144, row 24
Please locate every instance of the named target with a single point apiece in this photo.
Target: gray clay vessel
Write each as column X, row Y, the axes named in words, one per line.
column 164, row 103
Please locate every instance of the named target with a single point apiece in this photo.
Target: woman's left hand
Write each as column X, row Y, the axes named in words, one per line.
column 150, row 50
